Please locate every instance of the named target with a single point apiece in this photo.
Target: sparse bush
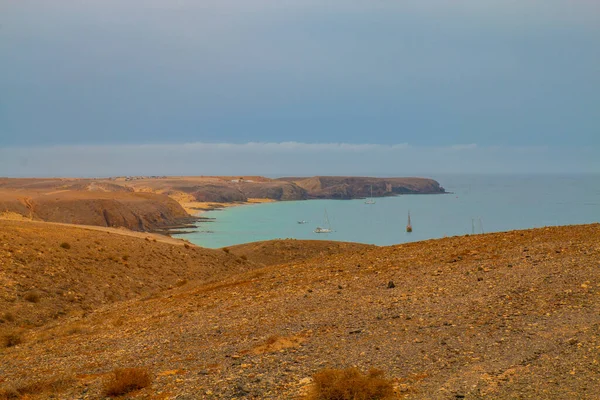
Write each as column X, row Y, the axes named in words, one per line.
column 125, row 257
column 65, row 245
column 187, row 246
column 125, row 380
column 74, row 329
column 9, row 393
column 244, row 257
column 20, row 390
column 32, row 297
column 8, row 317
column 225, row 249
column 351, row 384
column 181, row 282
column 272, row 339
column 10, row 339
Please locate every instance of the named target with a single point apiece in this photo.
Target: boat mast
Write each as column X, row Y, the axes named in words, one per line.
column 408, row 225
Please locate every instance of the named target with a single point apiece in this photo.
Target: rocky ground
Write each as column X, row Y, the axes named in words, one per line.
column 500, row 316
column 49, row 271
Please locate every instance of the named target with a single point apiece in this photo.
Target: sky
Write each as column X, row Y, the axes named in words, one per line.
column 303, row 87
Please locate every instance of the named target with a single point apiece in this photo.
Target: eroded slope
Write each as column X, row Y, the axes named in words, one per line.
column 506, row 315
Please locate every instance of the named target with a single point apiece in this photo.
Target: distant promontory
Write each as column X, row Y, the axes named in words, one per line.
column 156, row 203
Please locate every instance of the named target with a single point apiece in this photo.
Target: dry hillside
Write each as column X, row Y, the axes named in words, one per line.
column 281, row 251
column 499, row 316
column 137, row 211
column 48, row 272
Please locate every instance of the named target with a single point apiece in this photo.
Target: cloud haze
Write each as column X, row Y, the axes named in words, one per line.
column 289, row 158
column 435, row 73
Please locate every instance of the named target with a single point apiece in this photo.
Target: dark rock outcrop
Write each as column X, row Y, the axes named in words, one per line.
column 340, row 187
column 275, row 190
column 219, row 193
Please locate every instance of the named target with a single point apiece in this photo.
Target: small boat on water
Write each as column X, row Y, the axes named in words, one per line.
column 303, row 222
column 327, row 225
column 370, row 200
column 408, row 225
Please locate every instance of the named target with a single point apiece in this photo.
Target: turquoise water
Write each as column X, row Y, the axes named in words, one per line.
column 478, row 203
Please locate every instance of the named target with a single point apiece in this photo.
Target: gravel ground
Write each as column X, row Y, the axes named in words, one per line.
column 502, row 316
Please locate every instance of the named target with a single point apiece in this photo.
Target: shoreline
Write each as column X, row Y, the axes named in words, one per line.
column 197, row 208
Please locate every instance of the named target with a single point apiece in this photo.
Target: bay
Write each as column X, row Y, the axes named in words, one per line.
column 477, row 204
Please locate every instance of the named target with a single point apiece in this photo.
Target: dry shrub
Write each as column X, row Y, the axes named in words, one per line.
column 226, row 250
column 75, row 329
column 21, row 390
column 272, row 339
column 32, row 297
column 10, row 339
column 65, row 245
column 9, row 317
column 9, row 393
column 351, row 384
column 125, row 380
column 244, row 257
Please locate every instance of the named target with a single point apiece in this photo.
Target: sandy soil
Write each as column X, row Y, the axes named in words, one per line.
column 502, row 316
column 198, row 207
column 118, row 231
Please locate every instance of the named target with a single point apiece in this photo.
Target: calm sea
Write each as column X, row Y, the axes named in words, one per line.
column 478, row 203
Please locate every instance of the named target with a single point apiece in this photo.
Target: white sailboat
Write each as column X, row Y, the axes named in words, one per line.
column 327, row 225
column 370, row 200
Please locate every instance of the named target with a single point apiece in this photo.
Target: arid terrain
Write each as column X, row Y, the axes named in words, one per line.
column 502, row 316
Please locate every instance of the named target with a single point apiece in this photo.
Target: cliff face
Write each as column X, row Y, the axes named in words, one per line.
column 136, row 211
column 223, row 190
column 275, row 190
column 339, row 187
column 232, row 189
column 223, row 193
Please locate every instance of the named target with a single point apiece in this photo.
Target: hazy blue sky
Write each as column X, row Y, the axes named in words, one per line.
column 462, row 86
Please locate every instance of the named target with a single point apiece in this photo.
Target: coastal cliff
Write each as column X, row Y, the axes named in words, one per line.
column 240, row 189
column 157, row 203
column 344, row 187
column 135, row 211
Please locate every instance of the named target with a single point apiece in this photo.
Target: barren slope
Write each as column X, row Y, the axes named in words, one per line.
column 48, row 271
column 137, row 211
column 281, row 251
column 506, row 315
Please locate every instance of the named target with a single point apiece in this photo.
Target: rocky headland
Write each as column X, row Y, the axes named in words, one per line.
column 166, row 204
column 346, row 188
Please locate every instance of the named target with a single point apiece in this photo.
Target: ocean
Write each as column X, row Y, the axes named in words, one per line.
column 476, row 204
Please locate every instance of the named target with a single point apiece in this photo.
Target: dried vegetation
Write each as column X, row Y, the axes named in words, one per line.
column 126, row 380
column 351, row 384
